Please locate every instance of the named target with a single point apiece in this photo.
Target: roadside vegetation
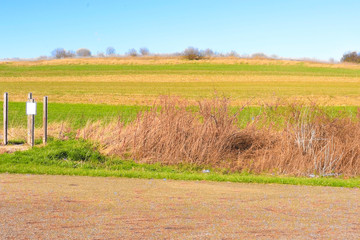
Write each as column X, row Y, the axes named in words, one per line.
column 78, row 157
column 305, row 141
column 66, row 118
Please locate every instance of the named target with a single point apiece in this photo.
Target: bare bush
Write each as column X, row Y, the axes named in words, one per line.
column 351, row 57
column 208, row 53
column 172, row 132
column 144, row 51
column 192, row 53
column 110, row 51
column 59, row 53
column 83, row 52
column 62, row 53
column 132, row 52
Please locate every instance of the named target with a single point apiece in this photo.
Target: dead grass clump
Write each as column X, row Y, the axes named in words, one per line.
column 174, row 131
column 58, row 130
column 327, row 146
column 311, row 143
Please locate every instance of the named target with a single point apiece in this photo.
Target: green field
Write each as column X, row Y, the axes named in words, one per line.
column 77, row 115
column 177, row 69
column 141, row 84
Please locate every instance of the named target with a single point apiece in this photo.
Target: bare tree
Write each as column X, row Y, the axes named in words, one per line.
column 208, row 52
column 58, row 53
column 233, row 53
column 192, row 53
column 70, row 54
column 144, row 51
column 83, row 52
column 110, row 51
column 132, row 52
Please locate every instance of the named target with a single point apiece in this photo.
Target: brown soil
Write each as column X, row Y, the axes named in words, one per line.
column 68, row 207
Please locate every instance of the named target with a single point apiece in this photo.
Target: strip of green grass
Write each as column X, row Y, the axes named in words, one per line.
column 75, row 114
column 81, row 158
column 136, row 92
column 195, row 68
column 79, row 114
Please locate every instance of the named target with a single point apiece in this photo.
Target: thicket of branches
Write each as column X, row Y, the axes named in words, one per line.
column 351, row 57
column 310, row 142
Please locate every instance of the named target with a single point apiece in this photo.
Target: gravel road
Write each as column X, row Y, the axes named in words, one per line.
column 71, row 207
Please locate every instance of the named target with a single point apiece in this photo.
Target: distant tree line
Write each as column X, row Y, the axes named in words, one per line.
column 353, row 57
column 84, row 52
column 190, row 53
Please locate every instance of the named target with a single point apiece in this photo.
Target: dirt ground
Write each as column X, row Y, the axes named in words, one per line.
column 69, row 207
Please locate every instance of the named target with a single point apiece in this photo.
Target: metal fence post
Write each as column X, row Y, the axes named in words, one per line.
column 45, row 118
column 6, row 117
column 29, row 123
column 32, row 135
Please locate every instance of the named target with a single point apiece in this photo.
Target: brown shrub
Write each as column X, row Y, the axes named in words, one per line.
column 174, row 132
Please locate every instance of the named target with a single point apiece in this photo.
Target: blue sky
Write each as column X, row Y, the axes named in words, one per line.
column 320, row 29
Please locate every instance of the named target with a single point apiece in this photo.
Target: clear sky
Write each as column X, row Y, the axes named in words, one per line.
column 320, row 29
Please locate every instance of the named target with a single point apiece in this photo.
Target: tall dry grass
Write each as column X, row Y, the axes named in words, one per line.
column 173, row 132
column 59, row 130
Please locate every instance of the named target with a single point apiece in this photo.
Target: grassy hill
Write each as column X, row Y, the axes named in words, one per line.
column 140, row 81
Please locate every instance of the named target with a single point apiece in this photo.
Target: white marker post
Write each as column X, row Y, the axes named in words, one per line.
column 31, row 112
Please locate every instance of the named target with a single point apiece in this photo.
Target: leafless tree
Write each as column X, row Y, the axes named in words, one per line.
column 208, row 52
column 62, row 53
column 110, row 51
column 58, row 53
column 192, row 53
column 132, row 52
column 144, row 51
column 83, row 52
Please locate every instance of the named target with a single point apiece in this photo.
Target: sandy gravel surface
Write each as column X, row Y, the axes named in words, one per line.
column 67, row 207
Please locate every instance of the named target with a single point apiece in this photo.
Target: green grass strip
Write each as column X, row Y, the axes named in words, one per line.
column 80, row 158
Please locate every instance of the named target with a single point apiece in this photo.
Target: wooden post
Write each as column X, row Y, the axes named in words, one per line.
column 6, row 117
column 32, row 129
column 29, row 122
column 45, row 119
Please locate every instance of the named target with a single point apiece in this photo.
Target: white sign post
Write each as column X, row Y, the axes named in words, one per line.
column 31, row 112
column 30, row 108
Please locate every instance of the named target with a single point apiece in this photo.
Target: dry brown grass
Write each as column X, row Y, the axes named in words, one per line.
column 55, row 130
column 310, row 142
